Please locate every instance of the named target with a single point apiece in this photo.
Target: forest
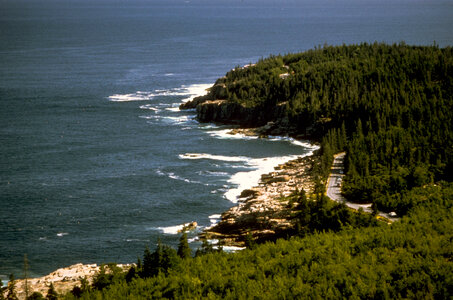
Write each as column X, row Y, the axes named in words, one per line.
column 390, row 108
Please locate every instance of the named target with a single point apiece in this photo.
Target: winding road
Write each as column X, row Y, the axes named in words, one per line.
column 333, row 188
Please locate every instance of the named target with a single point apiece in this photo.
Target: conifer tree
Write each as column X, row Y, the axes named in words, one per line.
column 11, row 290
column 184, row 250
column 147, row 270
column 52, row 293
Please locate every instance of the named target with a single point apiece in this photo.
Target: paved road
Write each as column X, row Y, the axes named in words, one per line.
column 333, row 189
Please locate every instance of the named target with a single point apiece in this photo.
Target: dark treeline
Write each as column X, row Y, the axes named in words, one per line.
column 390, row 108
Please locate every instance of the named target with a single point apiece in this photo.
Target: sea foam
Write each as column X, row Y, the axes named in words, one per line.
column 249, row 179
column 176, row 229
column 137, row 96
column 191, row 91
column 214, row 157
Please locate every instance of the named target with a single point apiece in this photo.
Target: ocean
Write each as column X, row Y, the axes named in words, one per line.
column 97, row 161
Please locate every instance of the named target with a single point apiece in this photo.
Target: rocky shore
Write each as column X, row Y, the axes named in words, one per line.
column 63, row 280
column 264, row 211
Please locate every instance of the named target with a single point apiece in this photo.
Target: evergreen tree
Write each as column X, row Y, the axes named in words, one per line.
column 206, row 247
column 250, row 242
column 52, row 293
column 148, row 263
column 11, row 290
column 35, row 296
column 184, row 250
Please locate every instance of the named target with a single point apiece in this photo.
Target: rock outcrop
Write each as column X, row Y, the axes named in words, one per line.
column 63, row 279
column 262, row 210
column 272, row 121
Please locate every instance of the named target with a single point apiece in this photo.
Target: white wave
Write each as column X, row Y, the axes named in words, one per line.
column 173, row 109
column 195, row 90
column 171, row 229
column 60, row 234
column 293, row 141
column 177, row 177
column 214, row 157
column 171, row 120
column 226, row 134
column 214, row 219
column 177, row 229
column 136, row 240
column 191, row 91
column 246, row 180
column 149, row 107
column 212, row 173
column 137, row 96
column 179, row 120
column 211, row 126
column 151, row 117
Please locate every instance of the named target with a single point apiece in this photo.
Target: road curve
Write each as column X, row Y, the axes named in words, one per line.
column 333, row 187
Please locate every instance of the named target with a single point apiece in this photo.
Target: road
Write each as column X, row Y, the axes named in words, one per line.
column 333, row 188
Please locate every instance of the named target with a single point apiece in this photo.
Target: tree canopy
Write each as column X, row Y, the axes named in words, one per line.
column 390, row 108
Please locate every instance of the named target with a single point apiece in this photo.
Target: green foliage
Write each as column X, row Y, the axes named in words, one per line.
column 408, row 259
column 206, row 248
column 250, row 242
column 324, row 215
column 160, row 261
column 184, row 250
column 390, row 108
column 107, row 275
column 52, row 293
column 11, row 289
column 36, row 296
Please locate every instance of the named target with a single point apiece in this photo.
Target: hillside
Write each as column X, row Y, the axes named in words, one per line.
column 390, row 108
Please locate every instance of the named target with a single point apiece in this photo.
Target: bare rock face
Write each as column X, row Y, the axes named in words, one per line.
column 64, row 279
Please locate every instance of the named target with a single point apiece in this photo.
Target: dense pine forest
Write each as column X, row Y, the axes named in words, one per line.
column 390, row 108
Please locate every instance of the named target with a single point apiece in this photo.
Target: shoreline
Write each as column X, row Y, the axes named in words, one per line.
column 261, row 205
column 63, row 279
column 284, row 178
column 261, row 210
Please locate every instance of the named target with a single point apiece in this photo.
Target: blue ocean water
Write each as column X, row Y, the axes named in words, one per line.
column 96, row 161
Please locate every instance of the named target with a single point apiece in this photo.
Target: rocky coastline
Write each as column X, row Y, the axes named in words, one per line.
column 264, row 211
column 63, row 280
